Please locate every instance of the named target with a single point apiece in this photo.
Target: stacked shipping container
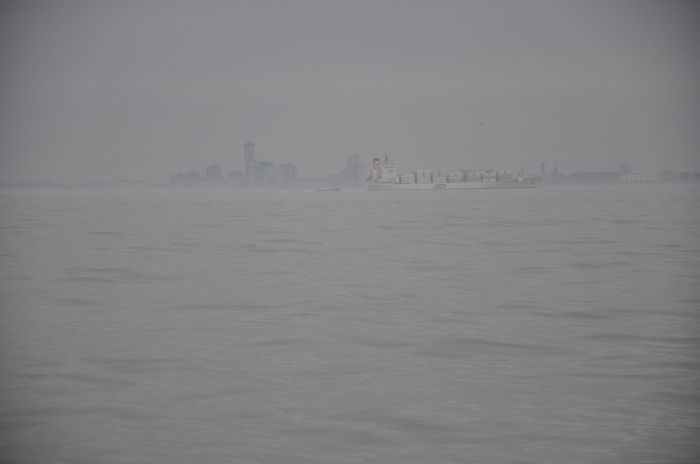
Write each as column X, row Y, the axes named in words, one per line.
column 473, row 177
column 408, row 178
column 424, row 177
column 439, row 177
column 455, row 176
column 504, row 175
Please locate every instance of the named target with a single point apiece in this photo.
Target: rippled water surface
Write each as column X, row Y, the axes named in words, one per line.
column 560, row 324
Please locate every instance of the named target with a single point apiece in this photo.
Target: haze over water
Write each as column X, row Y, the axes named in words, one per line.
column 552, row 325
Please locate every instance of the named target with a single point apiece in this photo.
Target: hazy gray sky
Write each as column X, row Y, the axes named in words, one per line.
column 131, row 89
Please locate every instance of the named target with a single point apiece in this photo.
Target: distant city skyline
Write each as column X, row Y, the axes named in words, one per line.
column 265, row 175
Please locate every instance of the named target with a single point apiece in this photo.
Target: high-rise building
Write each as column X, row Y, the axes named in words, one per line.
column 259, row 173
column 280, row 176
column 542, row 168
column 273, row 176
column 353, row 173
column 249, row 159
column 289, row 174
column 625, row 168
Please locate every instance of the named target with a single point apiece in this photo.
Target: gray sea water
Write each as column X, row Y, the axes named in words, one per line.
column 560, row 324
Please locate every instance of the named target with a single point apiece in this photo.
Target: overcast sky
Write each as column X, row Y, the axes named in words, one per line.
column 137, row 89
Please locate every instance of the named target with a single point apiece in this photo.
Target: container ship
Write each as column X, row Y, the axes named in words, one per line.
column 387, row 178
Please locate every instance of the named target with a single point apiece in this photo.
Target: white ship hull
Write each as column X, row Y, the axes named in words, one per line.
column 528, row 182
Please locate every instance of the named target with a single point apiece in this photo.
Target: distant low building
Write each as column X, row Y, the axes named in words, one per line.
column 333, row 180
column 668, row 176
column 555, row 176
column 595, row 177
column 639, row 177
column 128, row 184
column 190, row 180
column 689, row 176
column 310, row 182
column 214, row 173
column 235, row 179
column 177, row 179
